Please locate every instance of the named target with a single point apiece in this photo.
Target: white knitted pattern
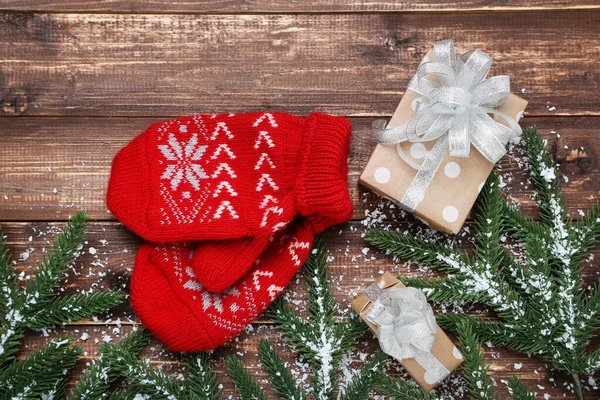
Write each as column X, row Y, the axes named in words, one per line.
column 249, row 296
column 187, row 161
column 196, row 167
column 183, row 163
column 265, row 183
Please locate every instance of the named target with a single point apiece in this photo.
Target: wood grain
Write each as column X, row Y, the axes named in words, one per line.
column 109, row 267
column 52, row 166
column 260, row 6
column 503, row 363
column 355, row 264
column 85, row 77
column 346, row 64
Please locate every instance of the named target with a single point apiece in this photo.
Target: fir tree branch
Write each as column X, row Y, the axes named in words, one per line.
column 10, row 335
column 150, row 381
column 40, row 290
column 350, row 329
column 64, row 309
column 398, row 389
column 518, row 390
column 445, row 291
column 42, row 372
column 51, row 270
column 478, row 279
column 593, row 362
column 321, row 340
column 35, row 305
column 488, row 330
column 283, row 382
column 245, row 384
column 295, row 329
column 499, row 333
column 126, row 394
column 588, row 231
column 481, row 384
column 518, row 224
column 488, row 236
column 590, row 311
column 362, row 385
column 564, row 240
column 203, row 384
column 566, row 249
column 322, row 308
column 543, row 173
column 489, row 249
column 95, row 382
column 415, row 248
column 9, row 285
column 326, row 340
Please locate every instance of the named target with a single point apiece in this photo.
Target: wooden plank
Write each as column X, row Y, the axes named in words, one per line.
column 49, row 167
column 260, row 6
column 108, row 256
column 106, row 263
column 345, row 64
column 503, row 363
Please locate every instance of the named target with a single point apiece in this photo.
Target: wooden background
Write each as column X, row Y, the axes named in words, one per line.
column 80, row 78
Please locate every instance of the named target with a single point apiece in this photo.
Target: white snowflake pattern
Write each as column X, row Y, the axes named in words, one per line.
column 186, row 157
column 209, row 299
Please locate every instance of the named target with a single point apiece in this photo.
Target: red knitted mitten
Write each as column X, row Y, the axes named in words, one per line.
column 226, row 177
column 176, row 308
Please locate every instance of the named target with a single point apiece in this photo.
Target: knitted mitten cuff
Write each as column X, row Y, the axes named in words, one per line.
column 322, row 186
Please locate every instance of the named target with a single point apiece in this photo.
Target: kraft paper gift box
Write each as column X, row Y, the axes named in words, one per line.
column 443, row 348
column 455, row 185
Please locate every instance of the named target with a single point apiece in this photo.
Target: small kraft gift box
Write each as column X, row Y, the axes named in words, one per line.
column 451, row 127
column 405, row 325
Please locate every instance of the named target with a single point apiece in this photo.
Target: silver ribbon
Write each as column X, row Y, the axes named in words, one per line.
column 456, row 110
column 405, row 326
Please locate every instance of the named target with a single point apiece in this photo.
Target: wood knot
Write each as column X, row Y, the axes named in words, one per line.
column 15, row 102
column 576, row 160
column 392, row 42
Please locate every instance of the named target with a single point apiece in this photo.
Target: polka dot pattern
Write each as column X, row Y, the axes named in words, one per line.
column 429, row 379
column 452, row 170
column 418, row 150
column 456, row 353
column 382, row 175
column 450, row 214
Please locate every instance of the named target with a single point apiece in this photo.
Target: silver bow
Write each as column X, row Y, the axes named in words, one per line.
column 455, row 111
column 406, row 326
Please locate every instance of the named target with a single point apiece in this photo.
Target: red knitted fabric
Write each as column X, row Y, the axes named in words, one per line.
column 176, row 308
column 237, row 177
column 218, row 264
column 230, row 176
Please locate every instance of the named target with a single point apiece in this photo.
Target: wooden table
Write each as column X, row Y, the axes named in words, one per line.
column 80, row 78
